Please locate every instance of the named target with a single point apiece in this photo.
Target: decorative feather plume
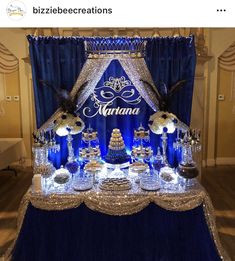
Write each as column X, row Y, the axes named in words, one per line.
column 153, row 88
column 176, row 87
column 164, row 95
column 66, row 102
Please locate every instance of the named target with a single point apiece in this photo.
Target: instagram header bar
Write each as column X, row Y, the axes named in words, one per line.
column 121, row 13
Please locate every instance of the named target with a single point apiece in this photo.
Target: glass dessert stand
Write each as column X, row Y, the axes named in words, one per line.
column 117, row 170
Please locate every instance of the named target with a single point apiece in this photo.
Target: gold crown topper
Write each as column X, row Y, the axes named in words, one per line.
column 102, row 47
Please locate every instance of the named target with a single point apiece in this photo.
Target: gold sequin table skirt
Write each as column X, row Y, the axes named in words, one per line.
column 125, row 203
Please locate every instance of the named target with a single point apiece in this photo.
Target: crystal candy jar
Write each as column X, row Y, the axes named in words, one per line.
column 186, row 184
column 168, row 179
column 94, row 167
column 190, row 142
column 73, row 166
column 157, row 161
column 149, row 181
column 61, row 180
column 84, row 181
column 187, row 167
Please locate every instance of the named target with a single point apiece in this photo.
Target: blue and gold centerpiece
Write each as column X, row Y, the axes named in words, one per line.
column 117, row 154
column 163, row 122
column 67, row 125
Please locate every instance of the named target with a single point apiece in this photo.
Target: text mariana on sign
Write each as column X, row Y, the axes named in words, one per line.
column 111, row 90
column 105, row 111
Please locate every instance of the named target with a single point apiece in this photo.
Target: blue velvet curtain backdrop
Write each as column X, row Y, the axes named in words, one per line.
column 171, row 59
column 60, row 60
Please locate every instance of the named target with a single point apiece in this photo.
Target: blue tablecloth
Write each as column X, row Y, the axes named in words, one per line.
column 153, row 234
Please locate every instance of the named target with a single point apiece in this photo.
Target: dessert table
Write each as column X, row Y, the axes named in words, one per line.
column 119, row 226
column 121, row 100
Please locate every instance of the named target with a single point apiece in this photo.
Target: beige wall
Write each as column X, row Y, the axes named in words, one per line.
column 15, row 41
column 225, row 138
column 10, row 122
column 218, row 41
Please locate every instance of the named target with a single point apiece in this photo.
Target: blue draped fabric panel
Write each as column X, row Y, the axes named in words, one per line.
column 58, row 61
column 171, row 59
column 154, row 234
